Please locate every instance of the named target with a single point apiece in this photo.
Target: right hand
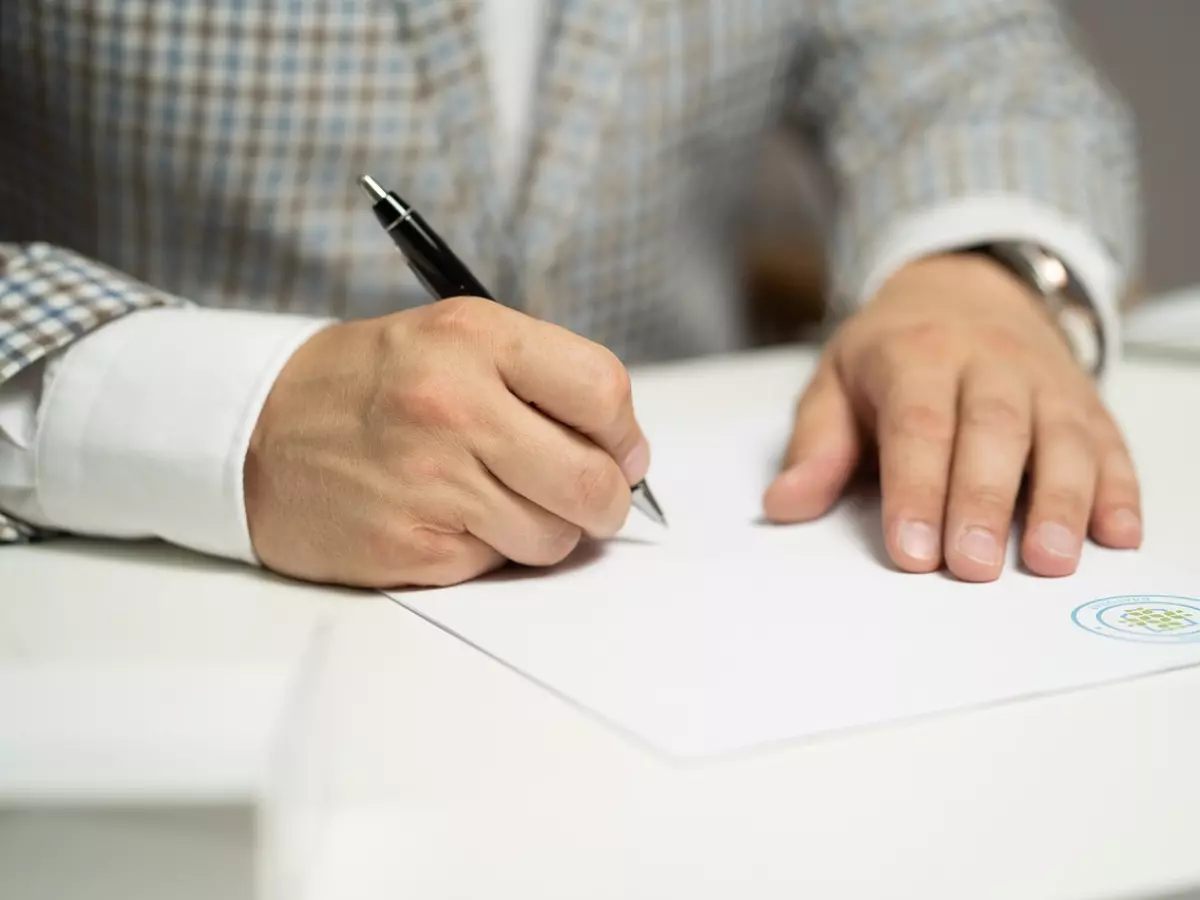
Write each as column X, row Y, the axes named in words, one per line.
column 404, row 450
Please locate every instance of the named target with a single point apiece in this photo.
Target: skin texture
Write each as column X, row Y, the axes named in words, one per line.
column 406, row 450
column 955, row 376
column 430, row 446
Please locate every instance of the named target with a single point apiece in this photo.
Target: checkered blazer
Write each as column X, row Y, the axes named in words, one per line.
column 204, row 151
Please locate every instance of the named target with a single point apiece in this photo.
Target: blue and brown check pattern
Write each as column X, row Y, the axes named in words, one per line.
column 204, row 151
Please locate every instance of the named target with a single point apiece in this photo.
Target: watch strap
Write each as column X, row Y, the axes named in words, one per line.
column 1065, row 298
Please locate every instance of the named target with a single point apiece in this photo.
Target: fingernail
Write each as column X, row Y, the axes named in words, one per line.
column 637, row 463
column 980, row 546
column 918, row 541
column 1126, row 520
column 1057, row 539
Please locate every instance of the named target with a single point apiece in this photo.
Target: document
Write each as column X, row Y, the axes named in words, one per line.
column 722, row 633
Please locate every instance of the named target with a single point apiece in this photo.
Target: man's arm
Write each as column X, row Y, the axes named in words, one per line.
column 953, row 122
column 124, row 411
column 49, row 297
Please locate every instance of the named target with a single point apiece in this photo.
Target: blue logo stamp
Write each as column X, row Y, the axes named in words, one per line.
column 1149, row 618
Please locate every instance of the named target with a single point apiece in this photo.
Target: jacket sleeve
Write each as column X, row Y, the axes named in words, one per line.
column 946, row 122
column 50, row 297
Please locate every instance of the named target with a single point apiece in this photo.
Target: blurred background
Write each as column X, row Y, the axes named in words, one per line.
column 1148, row 49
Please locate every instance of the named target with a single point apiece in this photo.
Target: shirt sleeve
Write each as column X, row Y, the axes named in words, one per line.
column 140, row 428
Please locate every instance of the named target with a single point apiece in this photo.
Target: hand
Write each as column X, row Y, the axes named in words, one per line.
column 404, row 451
column 960, row 378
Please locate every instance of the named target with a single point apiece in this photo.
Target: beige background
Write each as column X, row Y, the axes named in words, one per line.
column 1150, row 50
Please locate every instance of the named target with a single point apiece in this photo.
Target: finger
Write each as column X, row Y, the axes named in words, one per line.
column 915, row 418
column 1062, row 486
column 428, row 558
column 515, row 526
column 821, row 456
column 990, row 455
column 552, row 466
column 1117, row 511
column 578, row 383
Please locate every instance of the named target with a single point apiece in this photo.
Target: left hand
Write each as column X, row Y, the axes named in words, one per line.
column 958, row 376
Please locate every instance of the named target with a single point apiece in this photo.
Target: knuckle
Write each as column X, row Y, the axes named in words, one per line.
column 432, row 551
column 988, row 501
column 395, row 335
column 1109, row 437
column 384, row 545
column 890, row 359
column 928, row 338
column 922, row 499
column 1003, row 342
column 432, row 398
column 612, row 389
column 913, row 503
column 596, row 486
column 1057, row 502
column 917, row 499
column 413, row 554
column 556, row 542
column 424, row 469
column 1121, row 489
column 1118, row 473
column 458, row 317
column 920, row 421
column 1068, row 428
column 996, row 414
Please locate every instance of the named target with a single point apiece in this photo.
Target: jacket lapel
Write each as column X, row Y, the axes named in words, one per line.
column 580, row 83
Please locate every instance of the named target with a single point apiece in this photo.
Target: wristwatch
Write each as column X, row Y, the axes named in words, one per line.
column 1065, row 298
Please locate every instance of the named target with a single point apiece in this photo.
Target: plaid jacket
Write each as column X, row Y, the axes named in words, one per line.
column 168, row 151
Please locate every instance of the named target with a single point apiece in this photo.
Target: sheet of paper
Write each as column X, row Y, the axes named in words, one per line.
column 723, row 633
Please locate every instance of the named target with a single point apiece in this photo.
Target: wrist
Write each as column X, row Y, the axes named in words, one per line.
column 975, row 285
column 973, row 221
column 1059, row 290
column 963, row 279
column 308, row 400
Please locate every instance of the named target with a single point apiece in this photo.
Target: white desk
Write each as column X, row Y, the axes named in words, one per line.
column 440, row 774
column 142, row 673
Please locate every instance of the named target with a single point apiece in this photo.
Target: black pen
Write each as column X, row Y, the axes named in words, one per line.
column 444, row 275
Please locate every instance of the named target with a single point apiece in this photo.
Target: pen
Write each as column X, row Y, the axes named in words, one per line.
column 444, row 275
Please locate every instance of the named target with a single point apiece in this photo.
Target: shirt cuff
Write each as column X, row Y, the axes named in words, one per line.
column 978, row 220
column 144, row 427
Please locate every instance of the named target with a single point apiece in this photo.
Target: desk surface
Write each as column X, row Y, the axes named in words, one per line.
column 492, row 786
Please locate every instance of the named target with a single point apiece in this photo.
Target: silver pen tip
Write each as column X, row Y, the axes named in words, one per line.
column 644, row 501
column 371, row 186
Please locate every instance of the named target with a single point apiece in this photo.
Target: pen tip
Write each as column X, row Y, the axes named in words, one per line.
column 371, row 186
column 644, row 501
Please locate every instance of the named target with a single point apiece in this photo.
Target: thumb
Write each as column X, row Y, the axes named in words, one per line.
column 821, row 456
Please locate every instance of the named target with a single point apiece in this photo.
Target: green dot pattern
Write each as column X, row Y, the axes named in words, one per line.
column 1157, row 620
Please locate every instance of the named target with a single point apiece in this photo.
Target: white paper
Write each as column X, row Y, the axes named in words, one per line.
column 723, row 633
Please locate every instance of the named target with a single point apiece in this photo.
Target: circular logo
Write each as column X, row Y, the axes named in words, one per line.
column 1149, row 618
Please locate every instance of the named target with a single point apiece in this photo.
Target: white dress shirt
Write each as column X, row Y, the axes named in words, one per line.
column 94, row 440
